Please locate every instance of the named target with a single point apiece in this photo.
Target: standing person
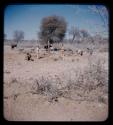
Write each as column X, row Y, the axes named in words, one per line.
column 29, row 57
column 37, row 51
column 62, row 51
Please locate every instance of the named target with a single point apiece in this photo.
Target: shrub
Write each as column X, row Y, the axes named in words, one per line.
column 82, row 84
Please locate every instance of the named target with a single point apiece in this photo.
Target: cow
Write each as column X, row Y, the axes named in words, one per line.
column 46, row 46
column 56, row 49
column 79, row 52
column 90, row 51
column 13, row 46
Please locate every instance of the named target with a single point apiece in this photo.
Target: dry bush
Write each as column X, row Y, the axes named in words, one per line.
column 14, row 80
column 21, row 50
column 73, row 60
column 46, row 87
column 7, row 71
column 102, row 99
column 55, row 59
column 79, row 86
column 103, row 50
column 96, row 73
column 94, row 79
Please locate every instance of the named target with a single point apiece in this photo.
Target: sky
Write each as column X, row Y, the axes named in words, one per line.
column 28, row 18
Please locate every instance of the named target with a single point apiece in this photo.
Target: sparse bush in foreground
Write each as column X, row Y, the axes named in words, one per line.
column 45, row 87
column 76, row 83
column 96, row 72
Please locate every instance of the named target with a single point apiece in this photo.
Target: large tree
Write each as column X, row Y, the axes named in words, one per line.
column 74, row 31
column 18, row 36
column 84, row 33
column 52, row 29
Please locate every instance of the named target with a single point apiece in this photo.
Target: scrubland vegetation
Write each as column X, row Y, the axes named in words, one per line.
column 54, row 78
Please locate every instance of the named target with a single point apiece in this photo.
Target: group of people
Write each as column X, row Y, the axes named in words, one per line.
column 37, row 51
column 29, row 56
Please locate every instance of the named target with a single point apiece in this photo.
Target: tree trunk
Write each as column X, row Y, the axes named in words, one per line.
column 48, row 47
column 73, row 38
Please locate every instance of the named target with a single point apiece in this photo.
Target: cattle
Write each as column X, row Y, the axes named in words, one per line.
column 79, row 52
column 90, row 51
column 13, row 46
column 70, row 50
column 51, row 48
column 21, row 50
column 56, row 49
column 32, row 50
column 46, row 46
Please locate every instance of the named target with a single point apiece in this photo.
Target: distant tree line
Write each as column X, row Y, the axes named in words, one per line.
column 53, row 29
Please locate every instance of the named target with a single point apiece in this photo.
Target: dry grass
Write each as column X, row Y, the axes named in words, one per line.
column 75, row 86
column 84, row 82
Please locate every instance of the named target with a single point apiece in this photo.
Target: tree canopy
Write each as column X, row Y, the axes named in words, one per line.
column 53, row 28
column 18, row 36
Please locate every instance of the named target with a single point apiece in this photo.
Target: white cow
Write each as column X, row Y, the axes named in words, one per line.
column 79, row 52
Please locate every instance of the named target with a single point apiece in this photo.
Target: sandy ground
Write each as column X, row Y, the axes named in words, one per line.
column 22, row 105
